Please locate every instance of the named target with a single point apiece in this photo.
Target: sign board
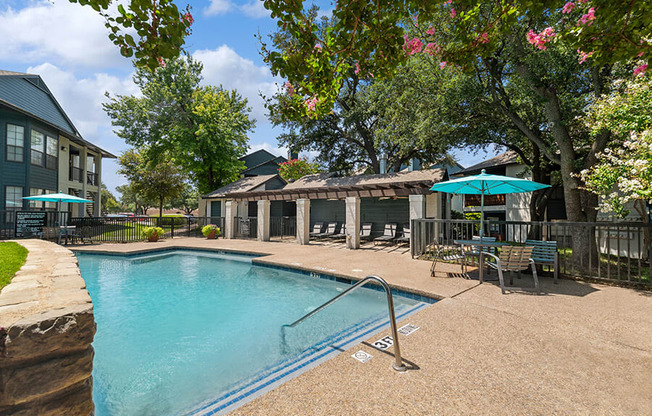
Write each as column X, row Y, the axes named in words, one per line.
column 30, row 223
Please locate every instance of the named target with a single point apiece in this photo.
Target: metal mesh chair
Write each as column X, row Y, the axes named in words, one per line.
column 514, row 259
column 450, row 254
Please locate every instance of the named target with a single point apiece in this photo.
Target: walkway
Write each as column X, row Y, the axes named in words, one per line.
column 579, row 348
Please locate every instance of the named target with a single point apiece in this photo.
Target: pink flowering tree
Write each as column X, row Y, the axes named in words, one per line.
column 297, row 168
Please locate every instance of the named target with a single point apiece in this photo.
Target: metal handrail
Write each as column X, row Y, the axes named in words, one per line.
column 398, row 365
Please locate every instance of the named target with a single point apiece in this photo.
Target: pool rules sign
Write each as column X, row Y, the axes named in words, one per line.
column 30, row 223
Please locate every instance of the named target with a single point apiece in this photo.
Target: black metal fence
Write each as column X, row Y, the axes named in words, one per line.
column 245, row 227
column 283, row 227
column 615, row 251
column 8, row 221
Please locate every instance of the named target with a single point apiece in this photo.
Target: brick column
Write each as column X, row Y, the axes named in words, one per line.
column 229, row 217
column 353, row 222
column 263, row 220
column 303, row 221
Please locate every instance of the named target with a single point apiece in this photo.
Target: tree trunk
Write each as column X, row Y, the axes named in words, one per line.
column 160, row 207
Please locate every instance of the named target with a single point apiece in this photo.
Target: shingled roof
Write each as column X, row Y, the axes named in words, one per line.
column 324, row 186
column 508, row 158
column 241, row 185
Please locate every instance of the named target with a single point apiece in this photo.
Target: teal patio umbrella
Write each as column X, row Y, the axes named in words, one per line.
column 58, row 198
column 484, row 184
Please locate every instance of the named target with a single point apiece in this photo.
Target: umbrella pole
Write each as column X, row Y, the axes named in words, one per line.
column 482, row 210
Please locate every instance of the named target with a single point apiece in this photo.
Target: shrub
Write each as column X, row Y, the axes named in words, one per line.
column 168, row 220
column 147, row 232
column 207, row 229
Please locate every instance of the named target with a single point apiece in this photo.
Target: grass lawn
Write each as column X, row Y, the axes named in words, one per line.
column 13, row 256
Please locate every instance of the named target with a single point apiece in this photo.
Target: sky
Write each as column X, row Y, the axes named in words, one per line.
column 67, row 45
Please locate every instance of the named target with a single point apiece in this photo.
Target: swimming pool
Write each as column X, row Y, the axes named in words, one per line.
column 198, row 332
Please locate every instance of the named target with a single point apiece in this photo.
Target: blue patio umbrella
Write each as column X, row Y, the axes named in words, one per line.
column 484, row 184
column 58, row 198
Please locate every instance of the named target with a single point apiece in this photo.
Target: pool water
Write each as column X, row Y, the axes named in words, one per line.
column 180, row 327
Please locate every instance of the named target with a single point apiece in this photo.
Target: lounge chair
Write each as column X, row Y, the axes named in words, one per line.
column 405, row 238
column 340, row 235
column 317, row 229
column 365, row 231
column 388, row 236
column 330, row 230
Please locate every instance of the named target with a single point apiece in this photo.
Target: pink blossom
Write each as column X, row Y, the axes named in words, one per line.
column 584, row 56
column 483, row 38
column 540, row 40
column 453, row 13
column 405, row 38
column 311, row 103
column 449, row 1
column 289, row 88
column 430, row 31
column 188, row 18
column 640, row 54
column 161, row 62
column 413, row 46
column 587, row 18
column 357, row 68
column 568, row 7
column 318, row 47
column 640, row 70
column 442, row 64
column 431, row 49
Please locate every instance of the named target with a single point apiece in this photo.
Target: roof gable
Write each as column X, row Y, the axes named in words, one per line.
column 243, row 185
column 257, row 158
column 508, row 158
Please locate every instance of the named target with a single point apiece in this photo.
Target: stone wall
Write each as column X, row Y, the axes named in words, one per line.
column 46, row 330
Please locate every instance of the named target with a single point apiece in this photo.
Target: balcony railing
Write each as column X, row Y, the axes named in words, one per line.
column 76, row 174
column 91, row 178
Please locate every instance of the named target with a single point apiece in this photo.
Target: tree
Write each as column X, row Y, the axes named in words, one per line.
column 133, row 200
column 158, row 25
column 188, row 200
column 203, row 128
column 158, row 180
column 109, row 201
column 623, row 174
column 297, row 168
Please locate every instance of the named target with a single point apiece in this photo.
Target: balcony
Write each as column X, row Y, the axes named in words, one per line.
column 489, row 200
column 75, row 174
column 91, row 178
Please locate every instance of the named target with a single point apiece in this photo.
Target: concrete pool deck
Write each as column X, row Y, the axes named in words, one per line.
column 578, row 348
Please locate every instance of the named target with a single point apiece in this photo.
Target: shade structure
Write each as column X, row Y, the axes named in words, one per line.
column 58, row 197
column 484, row 184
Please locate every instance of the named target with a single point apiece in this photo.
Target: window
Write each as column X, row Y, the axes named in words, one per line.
column 13, row 197
column 51, row 152
column 38, row 141
column 15, row 143
column 35, row 192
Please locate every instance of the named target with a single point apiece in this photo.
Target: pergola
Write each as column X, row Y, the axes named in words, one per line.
column 412, row 184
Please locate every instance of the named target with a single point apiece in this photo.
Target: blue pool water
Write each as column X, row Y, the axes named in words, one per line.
column 178, row 328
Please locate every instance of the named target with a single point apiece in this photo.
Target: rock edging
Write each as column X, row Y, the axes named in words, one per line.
column 46, row 330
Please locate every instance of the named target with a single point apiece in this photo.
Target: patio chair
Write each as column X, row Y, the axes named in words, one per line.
column 514, row 259
column 545, row 252
column 450, row 253
column 340, row 235
column 365, row 231
column 330, row 230
column 317, row 229
column 388, row 236
column 405, row 237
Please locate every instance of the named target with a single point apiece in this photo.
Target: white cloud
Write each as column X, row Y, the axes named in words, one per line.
column 218, row 7
column 255, row 9
column 223, row 66
column 60, row 32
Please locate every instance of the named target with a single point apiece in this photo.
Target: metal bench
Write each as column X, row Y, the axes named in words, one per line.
column 545, row 252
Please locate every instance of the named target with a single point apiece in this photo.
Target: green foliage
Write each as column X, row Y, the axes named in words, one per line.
column 158, row 25
column 176, row 219
column 158, row 180
column 13, row 257
column 109, row 201
column 148, row 232
column 623, row 173
column 203, row 128
column 207, row 229
column 133, row 200
column 297, row 168
column 188, row 200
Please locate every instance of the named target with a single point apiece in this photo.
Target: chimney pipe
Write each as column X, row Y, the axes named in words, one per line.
column 383, row 163
column 415, row 164
column 292, row 154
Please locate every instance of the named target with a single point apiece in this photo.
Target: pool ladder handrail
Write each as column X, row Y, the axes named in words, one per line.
column 398, row 364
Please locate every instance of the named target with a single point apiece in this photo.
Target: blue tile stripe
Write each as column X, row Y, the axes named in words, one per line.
column 316, row 357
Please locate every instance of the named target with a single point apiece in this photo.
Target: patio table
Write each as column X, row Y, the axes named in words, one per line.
column 480, row 244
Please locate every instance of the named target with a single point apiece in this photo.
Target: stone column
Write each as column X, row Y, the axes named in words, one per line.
column 263, row 220
column 229, row 217
column 352, row 222
column 303, row 221
column 417, row 211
